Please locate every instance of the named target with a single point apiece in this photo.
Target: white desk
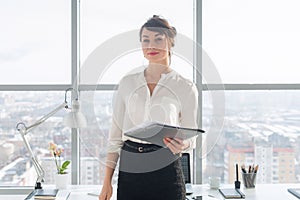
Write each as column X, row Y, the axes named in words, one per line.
column 261, row 192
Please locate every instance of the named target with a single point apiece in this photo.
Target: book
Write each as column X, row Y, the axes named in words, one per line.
column 45, row 194
column 231, row 193
column 295, row 192
column 155, row 132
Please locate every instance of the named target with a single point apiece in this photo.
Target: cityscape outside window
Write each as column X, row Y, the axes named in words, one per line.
column 260, row 127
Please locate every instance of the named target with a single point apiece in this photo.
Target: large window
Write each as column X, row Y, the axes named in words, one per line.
column 254, row 53
column 35, row 43
column 254, row 49
column 27, row 107
column 35, row 52
column 253, row 41
column 255, row 122
column 101, row 23
column 97, row 106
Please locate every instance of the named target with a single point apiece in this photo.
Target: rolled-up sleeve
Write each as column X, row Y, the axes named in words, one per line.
column 115, row 134
column 189, row 112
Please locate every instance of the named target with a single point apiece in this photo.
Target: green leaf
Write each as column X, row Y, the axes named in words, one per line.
column 65, row 164
column 64, row 167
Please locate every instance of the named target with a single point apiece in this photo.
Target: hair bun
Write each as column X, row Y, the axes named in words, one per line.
column 174, row 29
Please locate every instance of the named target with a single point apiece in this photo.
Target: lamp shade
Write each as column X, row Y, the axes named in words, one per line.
column 75, row 119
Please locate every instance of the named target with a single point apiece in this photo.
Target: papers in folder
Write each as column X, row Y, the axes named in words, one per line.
column 154, row 132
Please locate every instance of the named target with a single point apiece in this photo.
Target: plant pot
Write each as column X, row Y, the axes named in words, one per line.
column 61, row 181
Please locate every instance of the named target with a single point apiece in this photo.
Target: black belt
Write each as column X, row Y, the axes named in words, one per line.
column 140, row 147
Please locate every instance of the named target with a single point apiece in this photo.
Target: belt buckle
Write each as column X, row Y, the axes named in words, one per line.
column 140, row 149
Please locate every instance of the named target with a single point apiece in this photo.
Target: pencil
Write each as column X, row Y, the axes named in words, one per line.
column 255, row 169
column 237, row 172
column 243, row 169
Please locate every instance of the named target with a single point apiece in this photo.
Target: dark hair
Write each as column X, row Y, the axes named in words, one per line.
column 160, row 25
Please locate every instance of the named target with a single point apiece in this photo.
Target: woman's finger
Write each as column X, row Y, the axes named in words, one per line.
column 178, row 144
column 169, row 144
column 178, row 140
column 174, row 145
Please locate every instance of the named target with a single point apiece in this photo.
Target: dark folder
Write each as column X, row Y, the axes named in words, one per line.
column 154, row 132
column 295, row 192
column 231, row 193
column 45, row 193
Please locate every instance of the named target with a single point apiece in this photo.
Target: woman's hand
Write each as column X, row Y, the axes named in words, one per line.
column 176, row 145
column 106, row 191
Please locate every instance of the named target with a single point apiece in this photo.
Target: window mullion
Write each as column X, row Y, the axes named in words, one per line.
column 197, row 161
column 75, row 147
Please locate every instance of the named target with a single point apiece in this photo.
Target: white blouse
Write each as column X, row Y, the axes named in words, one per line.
column 174, row 101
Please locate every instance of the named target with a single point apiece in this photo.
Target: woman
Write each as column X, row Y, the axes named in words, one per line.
column 149, row 171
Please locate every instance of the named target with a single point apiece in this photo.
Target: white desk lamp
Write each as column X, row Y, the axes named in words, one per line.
column 74, row 119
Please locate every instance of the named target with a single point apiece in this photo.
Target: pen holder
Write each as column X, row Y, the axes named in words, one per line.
column 249, row 180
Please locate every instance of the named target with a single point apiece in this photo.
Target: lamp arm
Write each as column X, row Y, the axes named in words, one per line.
column 38, row 168
column 44, row 118
column 24, row 130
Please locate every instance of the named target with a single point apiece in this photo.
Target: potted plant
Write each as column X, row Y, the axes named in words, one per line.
column 61, row 177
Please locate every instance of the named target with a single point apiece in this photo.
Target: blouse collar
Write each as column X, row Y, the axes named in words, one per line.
column 163, row 76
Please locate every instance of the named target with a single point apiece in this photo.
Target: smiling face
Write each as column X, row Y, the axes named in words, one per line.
column 155, row 47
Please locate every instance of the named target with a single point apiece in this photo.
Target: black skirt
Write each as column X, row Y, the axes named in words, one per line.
column 149, row 171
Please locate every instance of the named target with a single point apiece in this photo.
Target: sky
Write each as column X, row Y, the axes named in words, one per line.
column 256, row 39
